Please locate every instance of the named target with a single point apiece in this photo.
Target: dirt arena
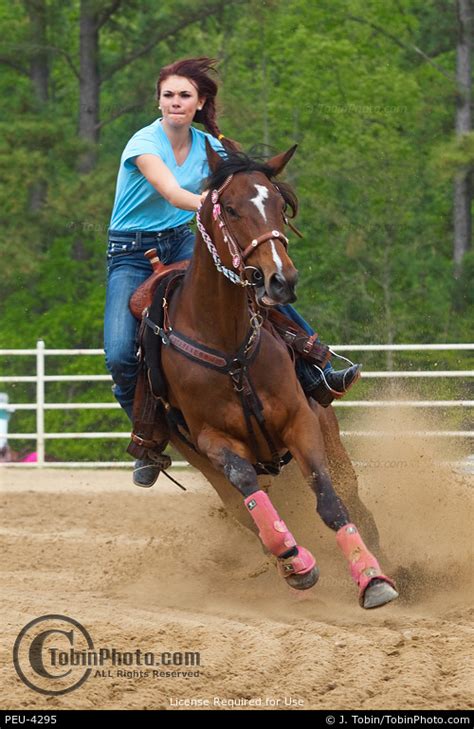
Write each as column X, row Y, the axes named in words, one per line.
column 164, row 570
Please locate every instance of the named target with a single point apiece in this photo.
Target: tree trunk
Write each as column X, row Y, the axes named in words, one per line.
column 39, row 62
column 266, row 126
column 89, row 85
column 463, row 180
column 39, row 75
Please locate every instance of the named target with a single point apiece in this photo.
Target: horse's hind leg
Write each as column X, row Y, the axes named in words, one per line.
column 344, row 476
column 295, row 563
column 304, row 438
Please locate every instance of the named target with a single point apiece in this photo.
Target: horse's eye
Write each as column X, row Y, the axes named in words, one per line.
column 231, row 211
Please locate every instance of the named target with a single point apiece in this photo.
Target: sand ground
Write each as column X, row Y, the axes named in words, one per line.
column 163, row 570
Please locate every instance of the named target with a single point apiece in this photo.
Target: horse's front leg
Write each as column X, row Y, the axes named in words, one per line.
column 231, row 457
column 304, row 438
column 343, row 474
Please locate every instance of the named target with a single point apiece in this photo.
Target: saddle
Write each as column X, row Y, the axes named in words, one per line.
column 143, row 296
column 151, row 412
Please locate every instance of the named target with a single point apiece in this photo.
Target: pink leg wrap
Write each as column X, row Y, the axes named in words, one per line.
column 363, row 565
column 272, row 530
column 275, row 535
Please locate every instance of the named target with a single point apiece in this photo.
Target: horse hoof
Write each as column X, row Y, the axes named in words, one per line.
column 305, row 581
column 378, row 593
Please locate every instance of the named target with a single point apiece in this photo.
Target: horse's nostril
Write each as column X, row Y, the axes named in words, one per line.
column 278, row 282
column 281, row 289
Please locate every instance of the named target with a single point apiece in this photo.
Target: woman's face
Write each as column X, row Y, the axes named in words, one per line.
column 179, row 101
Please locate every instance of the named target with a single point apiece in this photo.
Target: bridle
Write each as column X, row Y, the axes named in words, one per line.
column 239, row 255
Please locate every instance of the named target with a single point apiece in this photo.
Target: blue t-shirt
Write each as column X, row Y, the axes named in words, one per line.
column 138, row 206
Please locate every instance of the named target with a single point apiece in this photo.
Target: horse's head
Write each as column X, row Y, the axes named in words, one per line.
column 248, row 216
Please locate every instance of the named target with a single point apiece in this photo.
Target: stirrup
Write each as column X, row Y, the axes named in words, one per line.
column 162, row 460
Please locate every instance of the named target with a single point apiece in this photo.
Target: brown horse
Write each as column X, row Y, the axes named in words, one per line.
column 235, row 383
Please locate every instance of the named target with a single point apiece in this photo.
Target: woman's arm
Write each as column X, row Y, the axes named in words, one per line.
column 163, row 180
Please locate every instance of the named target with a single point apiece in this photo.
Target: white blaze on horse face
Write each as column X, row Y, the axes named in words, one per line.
column 276, row 258
column 258, row 200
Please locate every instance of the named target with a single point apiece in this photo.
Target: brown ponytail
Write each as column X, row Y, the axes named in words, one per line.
column 196, row 70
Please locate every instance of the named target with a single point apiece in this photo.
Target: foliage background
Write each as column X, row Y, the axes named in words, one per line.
column 374, row 121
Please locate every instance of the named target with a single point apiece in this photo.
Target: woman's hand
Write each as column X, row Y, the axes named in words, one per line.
column 204, row 195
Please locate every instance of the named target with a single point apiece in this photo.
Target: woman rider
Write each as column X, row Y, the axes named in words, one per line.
column 158, row 191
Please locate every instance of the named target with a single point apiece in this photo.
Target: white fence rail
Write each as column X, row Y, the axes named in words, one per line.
column 40, row 406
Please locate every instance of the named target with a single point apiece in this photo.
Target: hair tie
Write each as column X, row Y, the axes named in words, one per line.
column 221, row 136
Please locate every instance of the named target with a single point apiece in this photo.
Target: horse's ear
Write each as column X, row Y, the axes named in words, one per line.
column 213, row 157
column 279, row 162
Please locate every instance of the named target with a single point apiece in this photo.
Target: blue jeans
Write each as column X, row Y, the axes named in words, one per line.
column 127, row 268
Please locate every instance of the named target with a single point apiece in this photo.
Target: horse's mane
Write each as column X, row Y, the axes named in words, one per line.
column 241, row 162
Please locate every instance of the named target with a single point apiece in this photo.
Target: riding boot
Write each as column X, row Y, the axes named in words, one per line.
column 331, row 384
column 325, row 385
column 151, row 460
column 146, row 470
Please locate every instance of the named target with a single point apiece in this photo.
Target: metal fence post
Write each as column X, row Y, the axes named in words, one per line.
column 40, row 402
